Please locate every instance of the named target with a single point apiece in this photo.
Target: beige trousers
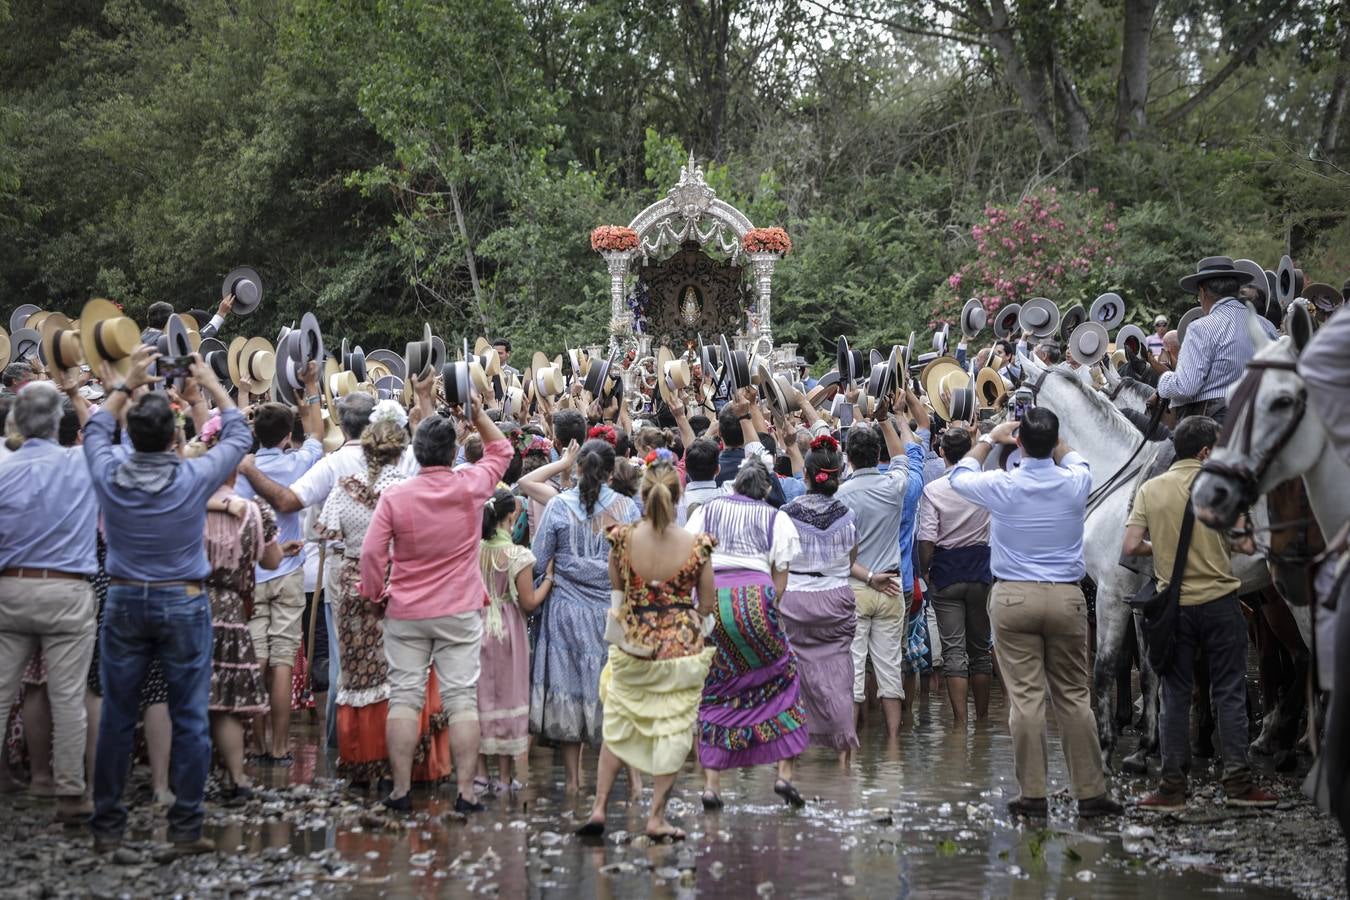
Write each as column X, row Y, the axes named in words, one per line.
column 1040, row 636
column 880, row 634
column 276, row 626
column 451, row 644
column 60, row 617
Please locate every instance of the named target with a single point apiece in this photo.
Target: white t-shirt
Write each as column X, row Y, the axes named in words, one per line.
column 315, row 485
column 785, row 545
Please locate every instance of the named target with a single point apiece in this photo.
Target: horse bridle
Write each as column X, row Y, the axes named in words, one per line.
column 1240, row 425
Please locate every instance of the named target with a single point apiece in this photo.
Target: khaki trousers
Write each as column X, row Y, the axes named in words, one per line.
column 1040, row 636
column 451, row 644
column 60, row 617
column 880, row 634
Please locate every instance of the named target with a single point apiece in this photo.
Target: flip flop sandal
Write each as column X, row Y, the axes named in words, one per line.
column 667, row 837
column 790, row 794
column 481, row 786
column 591, row 830
column 286, row 760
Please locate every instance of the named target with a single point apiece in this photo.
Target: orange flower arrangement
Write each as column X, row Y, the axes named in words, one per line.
column 616, row 238
column 767, row 240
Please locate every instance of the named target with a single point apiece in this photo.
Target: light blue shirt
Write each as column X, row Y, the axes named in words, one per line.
column 161, row 537
column 1216, row 351
column 909, row 517
column 1037, row 515
column 285, row 469
column 48, row 511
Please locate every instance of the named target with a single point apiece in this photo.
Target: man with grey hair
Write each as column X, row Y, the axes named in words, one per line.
column 48, row 554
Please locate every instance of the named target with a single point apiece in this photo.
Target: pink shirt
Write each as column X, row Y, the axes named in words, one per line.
column 431, row 524
column 949, row 520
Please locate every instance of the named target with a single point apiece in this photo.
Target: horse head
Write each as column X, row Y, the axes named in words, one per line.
column 1266, row 440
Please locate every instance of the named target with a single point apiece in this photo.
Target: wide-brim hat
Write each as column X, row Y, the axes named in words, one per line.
column 60, row 346
column 247, row 288
column 1214, row 267
column 356, row 364
column 1288, row 281
column 1039, row 316
column 182, row 340
column 1089, row 342
column 1323, row 296
column 4, row 347
column 1128, row 333
column 989, row 387
column 963, row 405
column 933, row 378
column 396, row 364
column 549, row 381
column 38, row 320
column 513, row 401
column 389, row 387
column 1190, row 316
column 908, row 354
column 26, row 343
column 1258, row 276
column 597, row 375
column 105, row 334
column 1006, row 319
column 1108, row 311
column 974, row 317
column 309, row 343
column 849, row 362
column 578, row 362
column 252, row 364
column 341, row 383
column 439, row 357
column 481, row 346
column 479, row 376
column 665, row 364
column 940, row 338
column 285, row 372
column 417, row 358
column 18, row 320
column 783, row 394
column 457, row 379
column 490, row 361
column 737, row 364
column 881, row 379
column 1073, row 317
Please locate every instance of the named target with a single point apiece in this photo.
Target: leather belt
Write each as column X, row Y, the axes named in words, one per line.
column 157, row 585
column 21, row 572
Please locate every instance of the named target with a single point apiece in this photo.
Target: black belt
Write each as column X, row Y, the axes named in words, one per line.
column 807, row 574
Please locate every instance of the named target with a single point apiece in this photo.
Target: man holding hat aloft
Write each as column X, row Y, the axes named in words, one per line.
column 1217, row 346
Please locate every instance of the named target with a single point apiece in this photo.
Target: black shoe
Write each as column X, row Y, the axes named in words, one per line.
column 285, row 760
column 711, row 802
column 236, row 795
column 1030, row 807
column 469, row 806
column 791, row 796
column 590, row 829
column 398, row 804
column 193, row 847
column 384, row 786
column 1095, row 807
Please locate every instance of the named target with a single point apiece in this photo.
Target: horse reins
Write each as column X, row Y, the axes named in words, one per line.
column 1240, row 424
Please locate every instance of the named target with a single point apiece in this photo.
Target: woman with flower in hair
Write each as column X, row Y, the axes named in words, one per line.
column 818, row 605
column 239, row 533
column 570, row 649
column 662, row 585
column 751, row 713
column 363, row 673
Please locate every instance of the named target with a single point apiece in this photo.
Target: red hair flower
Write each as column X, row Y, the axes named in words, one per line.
column 822, row 476
column 605, row 433
column 827, row 442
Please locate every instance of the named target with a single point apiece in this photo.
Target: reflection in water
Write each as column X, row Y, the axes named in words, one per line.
column 923, row 817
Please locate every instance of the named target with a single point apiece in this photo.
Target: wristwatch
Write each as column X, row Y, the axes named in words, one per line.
column 987, row 439
column 124, row 389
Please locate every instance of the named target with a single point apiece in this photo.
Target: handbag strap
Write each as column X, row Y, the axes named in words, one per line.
column 1183, row 550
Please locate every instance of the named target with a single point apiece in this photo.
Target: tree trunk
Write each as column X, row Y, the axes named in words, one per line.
column 469, row 258
column 1132, row 87
column 1076, row 121
column 1335, row 109
column 1030, row 85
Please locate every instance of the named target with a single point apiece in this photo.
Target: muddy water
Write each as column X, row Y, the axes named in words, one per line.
column 946, row 834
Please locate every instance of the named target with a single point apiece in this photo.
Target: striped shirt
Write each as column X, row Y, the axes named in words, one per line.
column 1216, row 350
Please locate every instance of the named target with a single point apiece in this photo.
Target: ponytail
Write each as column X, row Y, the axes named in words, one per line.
column 497, row 510
column 660, row 491
column 595, row 463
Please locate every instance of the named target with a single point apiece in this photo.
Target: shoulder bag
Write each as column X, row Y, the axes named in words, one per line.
column 1162, row 609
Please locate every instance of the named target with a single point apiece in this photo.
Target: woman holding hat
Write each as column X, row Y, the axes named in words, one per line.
column 818, row 606
column 570, row 650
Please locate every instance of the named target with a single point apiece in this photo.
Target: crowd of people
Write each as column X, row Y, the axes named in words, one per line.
column 730, row 570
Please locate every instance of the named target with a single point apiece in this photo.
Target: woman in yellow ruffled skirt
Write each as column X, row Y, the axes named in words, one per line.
column 653, row 683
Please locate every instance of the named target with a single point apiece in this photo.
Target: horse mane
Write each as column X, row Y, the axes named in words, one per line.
column 1107, row 417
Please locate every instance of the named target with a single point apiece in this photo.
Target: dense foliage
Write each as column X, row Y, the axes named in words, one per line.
column 395, row 160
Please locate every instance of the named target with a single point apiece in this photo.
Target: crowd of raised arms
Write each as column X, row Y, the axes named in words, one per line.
column 711, row 553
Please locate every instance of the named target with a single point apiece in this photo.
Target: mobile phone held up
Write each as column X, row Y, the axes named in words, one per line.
column 173, row 366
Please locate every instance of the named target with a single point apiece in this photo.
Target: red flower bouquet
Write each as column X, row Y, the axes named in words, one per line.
column 767, row 240
column 616, row 238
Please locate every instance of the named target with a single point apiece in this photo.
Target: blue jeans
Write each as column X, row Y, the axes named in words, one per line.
column 141, row 624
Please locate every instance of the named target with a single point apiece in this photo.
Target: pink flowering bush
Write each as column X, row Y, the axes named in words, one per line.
column 1050, row 244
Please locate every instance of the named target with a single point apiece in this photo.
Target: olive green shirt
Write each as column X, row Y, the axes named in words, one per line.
column 1159, row 506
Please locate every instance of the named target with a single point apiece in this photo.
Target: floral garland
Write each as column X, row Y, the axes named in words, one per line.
column 604, row 433
column 613, row 238
column 767, row 240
